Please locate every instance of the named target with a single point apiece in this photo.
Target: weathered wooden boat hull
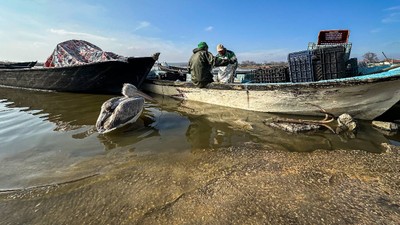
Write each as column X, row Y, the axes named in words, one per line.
column 100, row 77
column 17, row 65
column 173, row 69
column 364, row 97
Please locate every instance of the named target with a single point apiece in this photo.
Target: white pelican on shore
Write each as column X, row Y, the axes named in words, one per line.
column 119, row 111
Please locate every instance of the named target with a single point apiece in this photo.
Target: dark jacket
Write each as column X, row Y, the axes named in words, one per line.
column 200, row 66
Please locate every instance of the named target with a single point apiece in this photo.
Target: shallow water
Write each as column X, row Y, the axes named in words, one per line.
column 45, row 136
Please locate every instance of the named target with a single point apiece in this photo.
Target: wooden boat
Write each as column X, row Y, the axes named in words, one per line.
column 180, row 70
column 98, row 77
column 364, row 97
column 17, row 65
column 167, row 72
column 173, row 69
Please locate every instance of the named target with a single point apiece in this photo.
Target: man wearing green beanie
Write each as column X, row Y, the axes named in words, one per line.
column 201, row 64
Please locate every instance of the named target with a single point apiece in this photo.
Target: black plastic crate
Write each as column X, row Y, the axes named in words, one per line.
column 329, row 63
column 172, row 76
column 276, row 74
column 301, row 66
column 347, row 46
column 352, row 67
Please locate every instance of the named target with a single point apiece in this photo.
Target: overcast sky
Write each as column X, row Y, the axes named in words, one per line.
column 255, row 30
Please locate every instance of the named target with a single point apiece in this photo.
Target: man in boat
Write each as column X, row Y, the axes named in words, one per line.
column 201, row 64
column 226, row 74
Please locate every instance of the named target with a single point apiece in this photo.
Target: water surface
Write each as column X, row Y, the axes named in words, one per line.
column 49, row 137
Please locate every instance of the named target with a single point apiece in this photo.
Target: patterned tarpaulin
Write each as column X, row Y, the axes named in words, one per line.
column 78, row 52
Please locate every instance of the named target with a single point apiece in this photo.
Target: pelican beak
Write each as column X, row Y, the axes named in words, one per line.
column 146, row 96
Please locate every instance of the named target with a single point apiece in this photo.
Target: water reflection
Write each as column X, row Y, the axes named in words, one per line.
column 207, row 119
column 173, row 125
column 202, row 134
column 67, row 111
column 130, row 134
column 49, row 133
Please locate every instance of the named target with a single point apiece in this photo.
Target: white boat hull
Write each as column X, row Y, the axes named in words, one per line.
column 362, row 98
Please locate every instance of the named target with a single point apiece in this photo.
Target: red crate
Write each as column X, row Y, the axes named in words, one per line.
column 333, row 37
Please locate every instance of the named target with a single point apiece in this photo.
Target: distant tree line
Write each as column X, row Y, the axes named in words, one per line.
column 370, row 57
column 248, row 63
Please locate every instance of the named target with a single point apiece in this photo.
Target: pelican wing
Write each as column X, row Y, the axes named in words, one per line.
column 107, row 109
column 127, row 111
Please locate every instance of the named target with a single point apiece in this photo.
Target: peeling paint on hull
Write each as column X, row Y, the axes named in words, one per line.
column 364, row 97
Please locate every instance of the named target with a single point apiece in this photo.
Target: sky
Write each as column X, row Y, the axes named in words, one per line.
column 256, row 30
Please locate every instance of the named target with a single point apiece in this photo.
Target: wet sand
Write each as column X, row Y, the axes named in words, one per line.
column 248, row 184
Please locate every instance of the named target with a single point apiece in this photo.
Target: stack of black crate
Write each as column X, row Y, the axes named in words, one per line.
column 317, row 64
column 172, row 76
column 352, row 67
column 330, row 62
column 301, row 66
column 275, row 74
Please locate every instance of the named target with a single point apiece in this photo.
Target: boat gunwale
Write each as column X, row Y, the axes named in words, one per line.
column 89, row 64
column 351, row 81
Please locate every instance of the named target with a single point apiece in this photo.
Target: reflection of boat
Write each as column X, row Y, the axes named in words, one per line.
column 61, row 108
column 363, row 97
column 243, row 126
column 58, row 129
column 64, row 110
column 17, row 65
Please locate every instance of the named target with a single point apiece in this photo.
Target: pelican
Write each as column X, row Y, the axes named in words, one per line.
column 119, row 111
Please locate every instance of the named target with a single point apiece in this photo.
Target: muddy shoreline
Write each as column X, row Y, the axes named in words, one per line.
column 249, row 184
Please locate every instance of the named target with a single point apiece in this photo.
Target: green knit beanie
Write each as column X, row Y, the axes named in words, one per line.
column 202, row 45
